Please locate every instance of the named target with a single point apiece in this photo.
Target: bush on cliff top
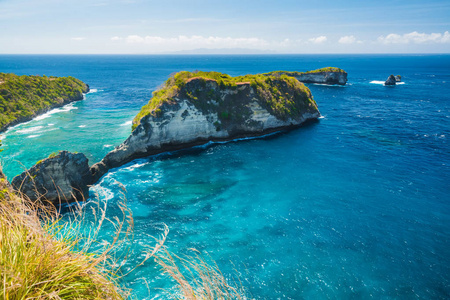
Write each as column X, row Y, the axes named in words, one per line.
column 295, row 73
column 282, row 95
column 24, row 96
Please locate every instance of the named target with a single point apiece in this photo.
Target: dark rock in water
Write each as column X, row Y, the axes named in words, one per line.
column 390, row 81
column 329, row 76
column 398, row 78
column 63, row 177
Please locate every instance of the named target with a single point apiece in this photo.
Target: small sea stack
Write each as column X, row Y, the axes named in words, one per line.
column 391, row 80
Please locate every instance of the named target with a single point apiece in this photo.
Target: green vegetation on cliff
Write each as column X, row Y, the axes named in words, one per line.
column 295, row 73
column 23, row 97
column 214, row 92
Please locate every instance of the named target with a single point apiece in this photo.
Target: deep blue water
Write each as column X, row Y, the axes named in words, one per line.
column 354, row 206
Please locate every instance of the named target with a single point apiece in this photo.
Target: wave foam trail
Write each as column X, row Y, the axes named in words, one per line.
column 33, row 136
column 382, row 82
column 127, row 123
column 92, row 91
column 31, row 129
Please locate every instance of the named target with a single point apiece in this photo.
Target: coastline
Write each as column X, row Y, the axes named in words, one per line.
column 20, row 121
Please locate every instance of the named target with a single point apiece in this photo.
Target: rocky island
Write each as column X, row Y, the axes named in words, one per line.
column 24, row 97
column 189, row 109
column 195, row 108
column 329, row 75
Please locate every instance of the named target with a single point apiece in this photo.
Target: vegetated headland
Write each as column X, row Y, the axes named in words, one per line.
column 22, row 98
column 191, row 108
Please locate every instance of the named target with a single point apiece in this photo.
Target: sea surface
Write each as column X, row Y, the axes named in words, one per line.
column 355, row 206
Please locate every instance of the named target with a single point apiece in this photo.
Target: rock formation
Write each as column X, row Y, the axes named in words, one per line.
column 190, row 109
column 195, row 108
column 328, row 75
column 391, row 80
column 63, row 177
column 398, row 78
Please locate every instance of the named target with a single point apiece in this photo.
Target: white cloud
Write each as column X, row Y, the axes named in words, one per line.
column 78, row 38
column 415, row 37
column 318, row 40
column 116, row 38
column 198, row 41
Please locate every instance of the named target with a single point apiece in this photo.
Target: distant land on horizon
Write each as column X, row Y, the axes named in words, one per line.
column 223, row 51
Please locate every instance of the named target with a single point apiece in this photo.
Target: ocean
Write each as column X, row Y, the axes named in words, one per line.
column 354, row 206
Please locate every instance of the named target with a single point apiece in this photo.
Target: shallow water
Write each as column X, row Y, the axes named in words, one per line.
column 353, row 206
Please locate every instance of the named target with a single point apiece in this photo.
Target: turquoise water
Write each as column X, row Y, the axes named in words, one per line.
column 353, row 206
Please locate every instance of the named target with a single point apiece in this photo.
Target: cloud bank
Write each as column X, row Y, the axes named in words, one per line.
column 415, row 38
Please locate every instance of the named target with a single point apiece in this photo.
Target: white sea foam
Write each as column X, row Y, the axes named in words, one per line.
column 92, row 91
column 331, row 85
column 382, row 82
column 322, row 117
column 127, row 123
column 50, row 124
column 136, row 166
column 103, row 193
column 31, row 129
column 107, row 146
column 65, row 108
column 33, row 136
column 82, row 126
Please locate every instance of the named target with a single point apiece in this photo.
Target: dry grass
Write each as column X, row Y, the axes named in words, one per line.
column 43, row 258
column 197, row 277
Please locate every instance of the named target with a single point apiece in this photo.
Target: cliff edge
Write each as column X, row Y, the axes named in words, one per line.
column 329, row 76
column 24, row 97
column 195, row 108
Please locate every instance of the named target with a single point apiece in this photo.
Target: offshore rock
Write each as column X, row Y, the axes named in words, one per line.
column 398, row 78
column 196, row 108
column 63, row 177
column 328, row 76
column 391, row 80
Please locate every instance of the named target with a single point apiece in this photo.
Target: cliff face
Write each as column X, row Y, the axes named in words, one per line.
column 203, row 107
column 60, row 178
column 328, row 75
column 323, row 78
column 24, row 97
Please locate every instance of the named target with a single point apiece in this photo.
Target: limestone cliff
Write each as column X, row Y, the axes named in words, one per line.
column 63, row 177
column 194, row 108
column 328, row 75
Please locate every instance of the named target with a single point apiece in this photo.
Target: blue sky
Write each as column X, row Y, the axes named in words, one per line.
column 284, row 26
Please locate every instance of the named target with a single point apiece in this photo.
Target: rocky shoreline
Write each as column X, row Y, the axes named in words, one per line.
column 56, row 91
column 191, row 109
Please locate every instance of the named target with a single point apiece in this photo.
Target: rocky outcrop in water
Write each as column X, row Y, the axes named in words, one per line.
column 398, row 78
column 391, row 80
column 63, row 177
column 193, row 109
column 328, row 76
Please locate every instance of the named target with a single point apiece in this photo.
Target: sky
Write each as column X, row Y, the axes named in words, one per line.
column 227, row 26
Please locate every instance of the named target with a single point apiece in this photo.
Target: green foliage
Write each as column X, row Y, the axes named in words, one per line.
column 294, row 73
column 282, row 95
column 22, row 97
